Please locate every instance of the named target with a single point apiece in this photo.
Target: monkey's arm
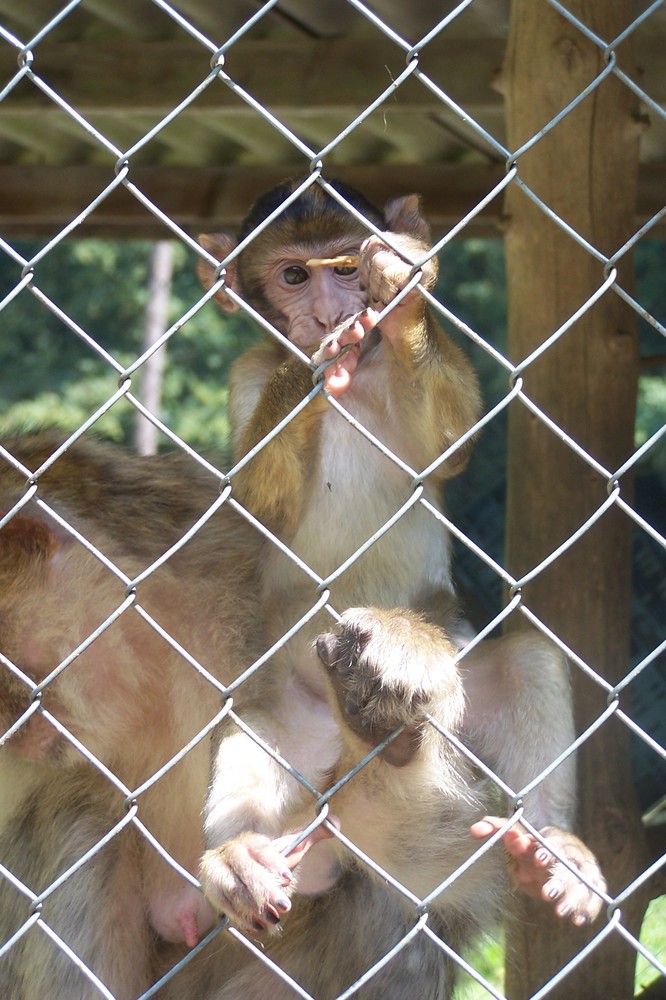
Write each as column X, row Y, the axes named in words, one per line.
column 518, row 695
column 253, row 812
column 265, row 387
column 433, row 386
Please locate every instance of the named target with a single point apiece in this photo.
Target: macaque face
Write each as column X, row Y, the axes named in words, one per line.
column 312, row 301
column 272, row 273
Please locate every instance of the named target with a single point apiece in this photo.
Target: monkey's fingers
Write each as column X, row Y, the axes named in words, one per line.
column 247, row 879
column 485, row 827
column 338, row 373
column 538, row 872
column 520, row 845
column 293, row 857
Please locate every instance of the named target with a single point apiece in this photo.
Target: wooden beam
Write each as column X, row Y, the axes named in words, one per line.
column 40, row 201
column 339, row 74
column 154, row 77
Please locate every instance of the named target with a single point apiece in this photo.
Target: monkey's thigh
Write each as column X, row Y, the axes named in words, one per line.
column 330, row 942
column 97, row 913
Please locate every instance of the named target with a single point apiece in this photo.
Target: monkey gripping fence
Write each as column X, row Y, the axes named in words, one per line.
column 314, row 165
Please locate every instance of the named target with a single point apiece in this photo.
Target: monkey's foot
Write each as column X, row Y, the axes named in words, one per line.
column 388, row 669
column 249, row 879
column 246, row 879
column 538, row 872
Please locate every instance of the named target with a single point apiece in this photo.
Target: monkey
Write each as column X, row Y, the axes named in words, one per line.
column 323, row 489
column 125, row 898
column 83, row 743
column 409, row 809
column 131, row 714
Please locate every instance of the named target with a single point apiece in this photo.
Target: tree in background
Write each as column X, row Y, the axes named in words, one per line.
column 50, row 378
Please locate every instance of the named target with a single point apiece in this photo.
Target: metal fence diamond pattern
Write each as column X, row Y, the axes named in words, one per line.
column 315, row 169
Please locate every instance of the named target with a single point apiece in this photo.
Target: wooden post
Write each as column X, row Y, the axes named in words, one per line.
column 586, row 171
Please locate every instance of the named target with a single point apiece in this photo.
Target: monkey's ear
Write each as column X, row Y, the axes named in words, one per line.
column 220, row 246
column 403, row 215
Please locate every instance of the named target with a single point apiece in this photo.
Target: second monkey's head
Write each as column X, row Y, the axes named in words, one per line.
column 271, row 273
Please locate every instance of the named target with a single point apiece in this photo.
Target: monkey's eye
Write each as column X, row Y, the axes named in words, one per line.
column 295, row 275
column 345, row 270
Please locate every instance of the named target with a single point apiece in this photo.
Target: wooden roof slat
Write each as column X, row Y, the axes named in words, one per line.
column 156, row 76
column 125, row 65
column 42, row 200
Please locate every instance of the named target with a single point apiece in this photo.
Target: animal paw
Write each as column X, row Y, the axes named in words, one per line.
column 384, row 272
column 535, row 869
column 387, row 669
column 343, row 348
column 248, row 880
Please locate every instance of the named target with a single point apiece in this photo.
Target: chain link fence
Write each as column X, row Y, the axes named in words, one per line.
column 478, row 544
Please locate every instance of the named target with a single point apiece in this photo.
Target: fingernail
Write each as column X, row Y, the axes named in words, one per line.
column 283, row 903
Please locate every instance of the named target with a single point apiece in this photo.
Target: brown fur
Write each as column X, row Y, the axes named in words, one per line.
column 134, row 702
column 129, row 698
column 325, row 490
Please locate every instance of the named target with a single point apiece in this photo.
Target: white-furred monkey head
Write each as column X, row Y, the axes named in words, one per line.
column 271, row 273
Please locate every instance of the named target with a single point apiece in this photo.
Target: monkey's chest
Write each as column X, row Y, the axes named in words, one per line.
column 359, row 513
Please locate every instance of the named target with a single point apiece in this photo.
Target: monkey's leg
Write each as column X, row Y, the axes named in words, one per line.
column 330, row 942
column 388, row 669
column 411, row 807
column 519, row 720
column 98, row 911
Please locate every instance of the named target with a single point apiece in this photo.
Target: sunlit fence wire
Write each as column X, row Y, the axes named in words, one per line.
column 314, row 164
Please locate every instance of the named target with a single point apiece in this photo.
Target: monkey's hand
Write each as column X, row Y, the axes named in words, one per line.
column 350, row 334
column 538, row 872
column 385, row 272
column 250, row 880
column 387, row 669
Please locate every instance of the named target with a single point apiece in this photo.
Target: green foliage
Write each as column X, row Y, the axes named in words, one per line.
column 49, row 375
column 653, row 936
column 487, row 958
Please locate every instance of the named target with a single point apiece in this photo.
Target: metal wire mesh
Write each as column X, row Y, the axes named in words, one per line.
column 314, row 166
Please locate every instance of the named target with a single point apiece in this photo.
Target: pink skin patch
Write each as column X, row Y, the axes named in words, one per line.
column 338, row 377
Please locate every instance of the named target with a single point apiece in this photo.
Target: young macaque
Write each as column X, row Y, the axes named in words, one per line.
column 324, row 489
column 130, row 699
